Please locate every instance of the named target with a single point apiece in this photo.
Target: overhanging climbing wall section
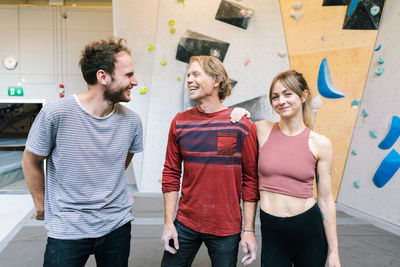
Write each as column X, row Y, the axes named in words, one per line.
column 314, row 32
column 380, row 103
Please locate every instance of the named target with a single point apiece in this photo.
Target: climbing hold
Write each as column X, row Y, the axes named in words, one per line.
column 281, row 52
column 374, row 10
column 354, row 152
column 365, row 113
column 378, row 48
column 381, row 59
column 392, row 135
column 243, row 13
column 215, row 53
column 323, row 37
column 150, row 47
column 373, row 134
column 388, row 167
column 356, row 184
column 296, row 15
column 171, row 22
column 172, row 30
column 179, row 79
column 316, row 103
column 163, row 62
column 325, row 85
column 246, row 62
column 379, row 71
column 297, row 5
column 355, row 103
column 159, row 180
column 143, row 91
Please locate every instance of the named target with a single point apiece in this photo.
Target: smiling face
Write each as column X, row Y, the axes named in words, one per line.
column 122, row 80
column 201, row 86
column 285, row 101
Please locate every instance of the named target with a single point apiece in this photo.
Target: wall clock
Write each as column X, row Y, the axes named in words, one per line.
column 10, row 62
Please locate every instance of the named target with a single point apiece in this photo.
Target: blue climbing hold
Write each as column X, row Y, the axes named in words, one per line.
column 392, row 135
column 388, row 167
column 356, row 184
column 378, row 48
column 355, row 103
column 352, row 6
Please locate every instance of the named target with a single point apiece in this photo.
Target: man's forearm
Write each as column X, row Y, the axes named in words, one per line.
column 170, row 201
column 32, row 166
column 249, row 213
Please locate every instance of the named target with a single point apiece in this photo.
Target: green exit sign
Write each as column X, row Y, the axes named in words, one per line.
column 15, row 91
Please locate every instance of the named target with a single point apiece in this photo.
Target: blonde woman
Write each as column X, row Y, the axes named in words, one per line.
column 296, row 229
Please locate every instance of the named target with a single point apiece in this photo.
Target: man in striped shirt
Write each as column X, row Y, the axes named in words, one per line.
column 88, row 140
column 220, row 168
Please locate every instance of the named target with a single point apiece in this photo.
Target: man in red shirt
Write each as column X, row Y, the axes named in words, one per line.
column 220, row 168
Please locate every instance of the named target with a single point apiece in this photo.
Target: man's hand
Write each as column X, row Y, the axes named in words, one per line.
column 39, row 213
column 249, row 246
column 238, row 113
column 170, row 234
column 333, row 260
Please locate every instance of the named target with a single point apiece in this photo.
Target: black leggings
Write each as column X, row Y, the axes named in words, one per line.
column 299, row 240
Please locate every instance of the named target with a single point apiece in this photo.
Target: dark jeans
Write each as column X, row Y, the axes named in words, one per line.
column 109, row 250
column 223, row 250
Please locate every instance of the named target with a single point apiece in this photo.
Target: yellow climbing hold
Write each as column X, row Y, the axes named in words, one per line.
column 171, row 22
column 150, row 47
column 163, row 62
column 143, row 91
column 172, row 30
column 159, row 180
column 179, row 79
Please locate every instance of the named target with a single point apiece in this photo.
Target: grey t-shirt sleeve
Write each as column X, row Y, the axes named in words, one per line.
column 137, row 142
column 42, row 135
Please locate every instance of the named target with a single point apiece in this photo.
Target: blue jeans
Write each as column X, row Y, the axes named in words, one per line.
column 223, row 250
column 109, row 250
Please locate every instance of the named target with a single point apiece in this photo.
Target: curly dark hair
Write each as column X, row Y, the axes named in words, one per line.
column 100, row 55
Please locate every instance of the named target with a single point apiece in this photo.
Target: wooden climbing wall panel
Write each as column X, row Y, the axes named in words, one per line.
column 317, row 35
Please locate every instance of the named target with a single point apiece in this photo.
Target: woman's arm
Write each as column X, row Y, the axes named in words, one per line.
column 325, row 198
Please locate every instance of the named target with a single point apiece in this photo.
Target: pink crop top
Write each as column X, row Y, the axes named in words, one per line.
column 286, row 165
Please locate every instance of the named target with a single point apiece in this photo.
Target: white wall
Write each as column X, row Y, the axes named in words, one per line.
column 143, row 22
column 48, row 47
column 381, row 100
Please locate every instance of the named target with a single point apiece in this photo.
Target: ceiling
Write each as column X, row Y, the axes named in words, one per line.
column 64, row 3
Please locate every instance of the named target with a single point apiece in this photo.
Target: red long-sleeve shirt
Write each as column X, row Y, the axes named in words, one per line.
column 220, row 167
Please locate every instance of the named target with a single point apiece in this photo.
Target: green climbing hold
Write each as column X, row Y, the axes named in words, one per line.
column 354, row 152
column 355, row 103
column 381, row 59
column 374, row 10
column 373, row 134
column 379, row 71
column 357, row 184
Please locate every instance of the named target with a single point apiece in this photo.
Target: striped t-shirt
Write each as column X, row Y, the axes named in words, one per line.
column 219, row 168
column 85, row 189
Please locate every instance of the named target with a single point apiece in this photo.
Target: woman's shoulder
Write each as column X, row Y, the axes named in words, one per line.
column 321, row 142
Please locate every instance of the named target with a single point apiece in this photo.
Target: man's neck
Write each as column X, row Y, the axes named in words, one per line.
column 210, row 106
column 94, row 103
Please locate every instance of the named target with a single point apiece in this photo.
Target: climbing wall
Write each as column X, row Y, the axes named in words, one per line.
column 316, row 35
column 380, row 102
column 252, row 60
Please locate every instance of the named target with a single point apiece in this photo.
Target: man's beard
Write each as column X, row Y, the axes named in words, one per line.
column 115, row 97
